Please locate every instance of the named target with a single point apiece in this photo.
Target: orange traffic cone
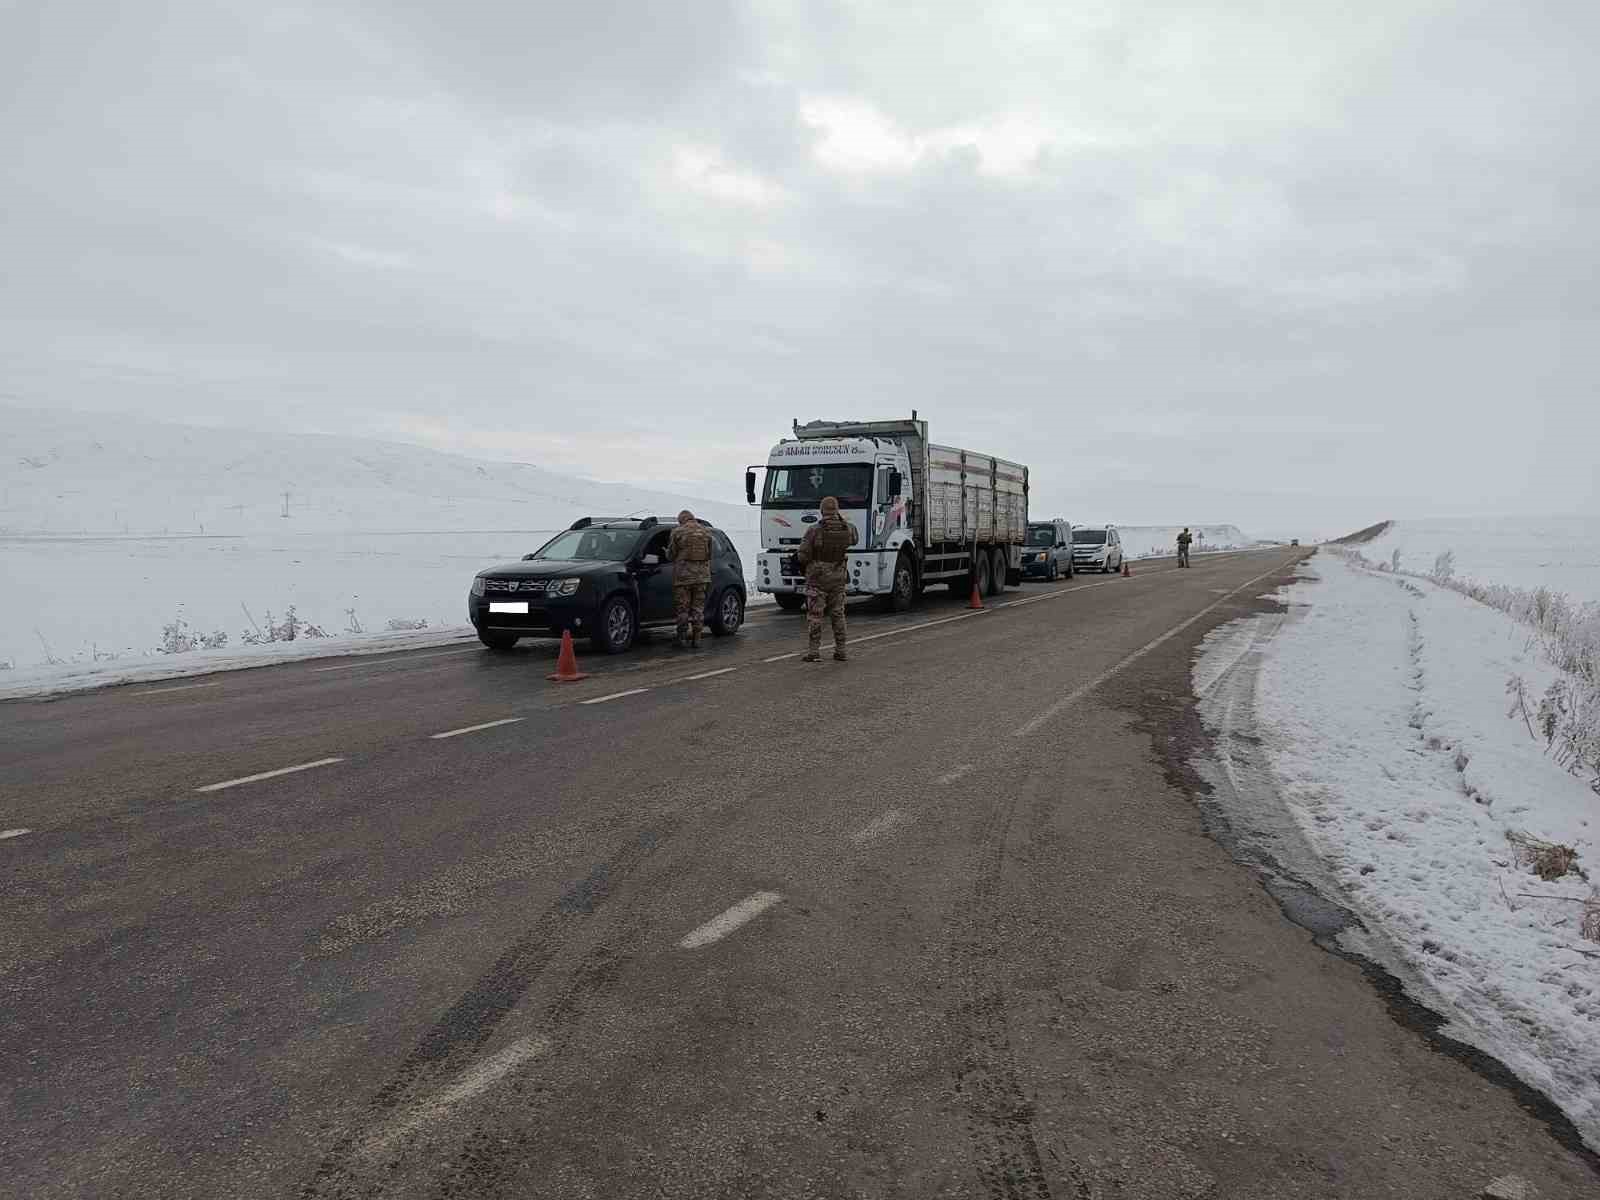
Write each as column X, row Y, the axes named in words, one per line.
column 1126, row 572
column 977, row 599
column 567, row 665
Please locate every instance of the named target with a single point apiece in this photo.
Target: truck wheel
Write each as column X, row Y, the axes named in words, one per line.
column 789, row 601
column 905, row 588
column 998, row 573
column 616, row 627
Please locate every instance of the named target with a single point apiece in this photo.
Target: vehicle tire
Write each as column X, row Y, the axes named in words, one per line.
column 981, row 566
column 615, row 626
column 905, row 591
column 1055, row 571
column 497, row 641
column 999, row 573
column 789, row 601
column 728, row 613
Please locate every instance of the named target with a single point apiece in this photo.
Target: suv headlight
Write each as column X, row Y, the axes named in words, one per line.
column 562, row 587
column 477, row 585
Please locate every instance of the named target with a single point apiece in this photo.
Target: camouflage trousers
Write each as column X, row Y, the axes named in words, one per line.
column 690, row 601
column 1183, row 556
column 825, row 588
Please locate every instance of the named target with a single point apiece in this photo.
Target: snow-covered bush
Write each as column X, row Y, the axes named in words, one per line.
column 1444, row 567
column 292, row 627
column 178, row 638
column 398, row 624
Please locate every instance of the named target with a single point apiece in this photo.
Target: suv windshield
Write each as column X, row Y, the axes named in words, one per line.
column 805, row 486
column 1041, row 535
column 603, row 545
column 1088, row 537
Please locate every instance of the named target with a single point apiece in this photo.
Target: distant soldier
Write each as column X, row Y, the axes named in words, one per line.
column 1183, row 547
column 822, row 553
column 689, row 548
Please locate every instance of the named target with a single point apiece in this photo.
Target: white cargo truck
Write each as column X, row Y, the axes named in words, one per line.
column 927, row 514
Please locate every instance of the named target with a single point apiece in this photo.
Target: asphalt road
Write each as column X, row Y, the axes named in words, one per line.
column 937, row 922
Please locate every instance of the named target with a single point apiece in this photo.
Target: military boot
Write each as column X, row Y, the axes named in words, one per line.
column 680, row 640
column 840, row 656
column 811, row 656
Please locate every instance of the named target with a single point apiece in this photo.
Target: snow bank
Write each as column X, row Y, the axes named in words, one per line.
column 1383, row 717
column 1560, row 553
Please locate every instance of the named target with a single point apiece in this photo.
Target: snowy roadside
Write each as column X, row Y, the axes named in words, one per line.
column 56, row 678
column 1382, row 713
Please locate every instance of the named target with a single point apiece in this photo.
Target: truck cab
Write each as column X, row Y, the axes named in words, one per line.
column 868, row 476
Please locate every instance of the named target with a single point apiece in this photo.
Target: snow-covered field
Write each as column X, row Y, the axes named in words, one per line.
column 1560, row 553
column 121, row 538
column 1382, row 713
column 1152, row 541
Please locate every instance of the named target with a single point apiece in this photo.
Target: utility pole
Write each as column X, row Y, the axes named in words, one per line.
column 285, row 504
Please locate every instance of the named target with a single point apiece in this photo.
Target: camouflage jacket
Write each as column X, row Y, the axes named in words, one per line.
column 690, row 548
column 807, row 554
column 1183, row 541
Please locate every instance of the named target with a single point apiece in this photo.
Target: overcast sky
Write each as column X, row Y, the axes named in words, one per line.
column 1296, row 266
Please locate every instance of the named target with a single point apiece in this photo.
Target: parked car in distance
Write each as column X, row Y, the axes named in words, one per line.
column 1097, row 549
column 1294, row 541
column 1047, row 550
column 605, row 579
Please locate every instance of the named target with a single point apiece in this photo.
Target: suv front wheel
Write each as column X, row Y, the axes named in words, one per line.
column 615, row 626
column 728, row 614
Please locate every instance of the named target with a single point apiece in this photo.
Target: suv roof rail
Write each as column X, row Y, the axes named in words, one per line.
column 649, row 523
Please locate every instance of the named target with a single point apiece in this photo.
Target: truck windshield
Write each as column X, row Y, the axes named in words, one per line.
column 1088, row 537
column 805, row 486
column 1041, row 535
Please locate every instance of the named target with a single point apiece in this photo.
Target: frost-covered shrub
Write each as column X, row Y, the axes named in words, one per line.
column 291, row 628
column 1444, row 567
column 178, row 638
column 398, row 624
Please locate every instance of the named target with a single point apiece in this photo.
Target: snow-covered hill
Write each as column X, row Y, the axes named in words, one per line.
column 1560, row 553
column 122, row 539
column 71, row 472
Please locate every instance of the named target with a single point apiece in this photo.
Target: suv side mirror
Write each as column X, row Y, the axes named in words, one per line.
column 650, row 560
column 749, row 487
column 895, row 483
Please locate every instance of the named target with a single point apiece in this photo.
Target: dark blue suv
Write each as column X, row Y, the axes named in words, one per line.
column 603, row 579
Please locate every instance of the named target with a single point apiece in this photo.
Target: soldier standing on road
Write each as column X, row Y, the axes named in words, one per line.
column 822, row 554
column 1183, row 547
column 689, row 548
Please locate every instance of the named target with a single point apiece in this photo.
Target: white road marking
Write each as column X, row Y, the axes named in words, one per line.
column 474, row 728
column 710, row 674
column 781, row 657
column 228, row 783
column 872, row 637
column 1077, row 694
column 960, row 772
column 474, row 1081
column 183, row 687
column 378, row 662
column 891, row 819
column 615, row 696
column 721, row 925
column 11, row 833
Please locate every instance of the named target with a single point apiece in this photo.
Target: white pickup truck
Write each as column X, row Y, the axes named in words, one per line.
column 926, row 513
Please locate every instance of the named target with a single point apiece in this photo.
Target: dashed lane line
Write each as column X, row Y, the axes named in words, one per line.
column 709, row 674
column 182, row 687
column 724, row 923
column 890, row 819
column 450, row 733
column 615, row 696
column 474, row 1081
column 12, row 833
column 950, row 777
column 231, row 783
column 1078, row 693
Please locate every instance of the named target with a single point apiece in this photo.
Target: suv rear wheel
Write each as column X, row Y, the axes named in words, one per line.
column 615, row 626
column 728, row 614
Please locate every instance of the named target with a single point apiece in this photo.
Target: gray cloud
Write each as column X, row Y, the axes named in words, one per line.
column 1188, row 261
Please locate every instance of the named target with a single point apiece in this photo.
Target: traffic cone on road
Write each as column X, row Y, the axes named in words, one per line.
column 567, row 665
column 1127, row 573
column 977, row 598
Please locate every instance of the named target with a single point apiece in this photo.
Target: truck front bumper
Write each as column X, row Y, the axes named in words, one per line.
column 871, row 573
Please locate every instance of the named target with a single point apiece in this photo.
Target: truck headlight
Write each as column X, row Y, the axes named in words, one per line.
column 477, row 585
column 562, row 587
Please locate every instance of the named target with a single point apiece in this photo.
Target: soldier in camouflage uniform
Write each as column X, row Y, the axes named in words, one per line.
column 689, row 548
column 1184, row 539
column 822, row 553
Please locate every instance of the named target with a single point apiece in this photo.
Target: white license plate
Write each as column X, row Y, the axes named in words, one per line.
column 509, row 606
